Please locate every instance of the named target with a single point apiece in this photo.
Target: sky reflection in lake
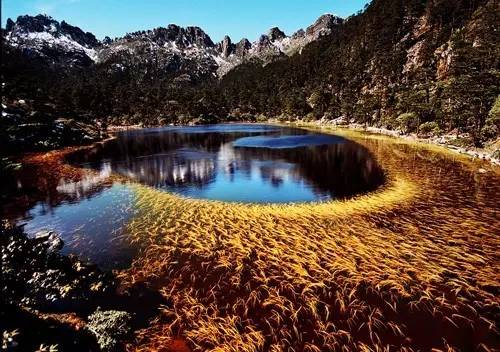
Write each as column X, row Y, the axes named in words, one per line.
column 234, row 163
column 240, row 163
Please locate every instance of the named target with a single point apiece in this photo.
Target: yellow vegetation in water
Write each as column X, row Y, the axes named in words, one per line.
column 413, row 266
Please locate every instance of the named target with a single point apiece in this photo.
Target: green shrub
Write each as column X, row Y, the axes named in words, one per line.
column 491, row 128
column 247, row 117
column 489, row 132
column 496, row 154
column 407, row 122
column 206, row 119
column 494, row 114
column 284, row 118
column 462, row 142
column 310, row 117
column 261, row 118
column 430, row 127
column 390, row 122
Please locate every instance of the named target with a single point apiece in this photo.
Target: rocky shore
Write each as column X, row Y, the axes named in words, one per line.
column 452, row 141
column 29, row 126
column 53, row 302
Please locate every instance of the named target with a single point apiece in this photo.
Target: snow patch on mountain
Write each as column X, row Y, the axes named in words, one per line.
column 173, row 47
column 42, row 40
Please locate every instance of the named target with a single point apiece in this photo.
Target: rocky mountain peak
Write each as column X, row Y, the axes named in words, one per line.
column 26, row 25
column 276, row 34
column 172, row 31
column 10, row 25
column 197, row 36
column 242, row 47
column 323, row 25
column 81, row 37
column 263, row 40
column 39, row 23
column 107, row 40
column 174, row 46
column 182, row 37
column 61, row 43
column 299, row 34
column 226, row 47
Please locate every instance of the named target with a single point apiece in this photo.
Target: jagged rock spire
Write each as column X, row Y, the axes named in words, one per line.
column 226, row 46
column 276, row 34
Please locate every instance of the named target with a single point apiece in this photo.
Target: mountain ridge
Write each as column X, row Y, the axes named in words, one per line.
column 417, row 66
column 46, row 36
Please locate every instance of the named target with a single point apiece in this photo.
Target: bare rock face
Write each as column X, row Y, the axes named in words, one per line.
column 444, row 56
column 226, row 47
column 265, row 49
column 275, row 34
column 263, row 42
column 183, row 51
column 277, row 44
column 197, row 36
column 60, row 43
column 86, row 39
column 46, row 24
column 323, row 26
column 50, row 239
column 299, row 34
column 182, row 37
column 107, row 40
column 242, row 48
column 188, row 54
column 10, row 25
column 414, row 57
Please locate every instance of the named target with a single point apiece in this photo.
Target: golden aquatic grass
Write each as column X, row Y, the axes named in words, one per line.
column 347, row 132
column 413, row 266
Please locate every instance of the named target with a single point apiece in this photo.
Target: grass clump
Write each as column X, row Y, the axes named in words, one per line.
column 409, row 267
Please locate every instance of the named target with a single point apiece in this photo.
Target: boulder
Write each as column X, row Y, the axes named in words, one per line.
column 51, row 239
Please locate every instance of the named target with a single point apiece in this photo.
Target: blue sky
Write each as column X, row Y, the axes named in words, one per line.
column 237, row 18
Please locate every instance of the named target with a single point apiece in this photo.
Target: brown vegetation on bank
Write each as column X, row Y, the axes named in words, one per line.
column 411, row 267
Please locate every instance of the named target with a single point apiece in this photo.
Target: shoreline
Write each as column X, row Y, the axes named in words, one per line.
column 472, row 152
column 490, row 153
column 167, row 201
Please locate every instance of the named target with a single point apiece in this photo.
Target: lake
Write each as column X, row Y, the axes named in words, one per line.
column 242, row 163
column 256, row 227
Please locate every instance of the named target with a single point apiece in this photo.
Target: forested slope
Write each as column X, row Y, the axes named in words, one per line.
column 430, row 66
column 400, row 64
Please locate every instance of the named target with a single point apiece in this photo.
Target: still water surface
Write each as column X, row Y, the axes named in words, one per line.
column 240, row 163
column 233, row 163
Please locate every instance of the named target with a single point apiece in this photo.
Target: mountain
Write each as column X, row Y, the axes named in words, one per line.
column 424, row 66
column 417, row 66
column 188, row 51
column 57, row 42
column 275, row 44
column 61, row 82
